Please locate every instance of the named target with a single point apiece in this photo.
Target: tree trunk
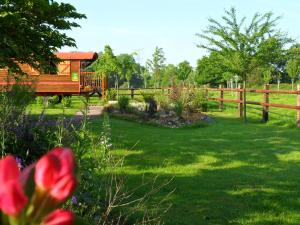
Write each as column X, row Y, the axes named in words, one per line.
column 293, row 84
column 231, row 86
column 245, row 102
column 278, row 84
column 117, row 87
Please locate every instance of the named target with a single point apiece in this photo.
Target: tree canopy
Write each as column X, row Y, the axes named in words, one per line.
column 156, row 65
column 210, row 69
column 169, row 75
column 293, row 68
column 244, row 47
column 184, row 70
column 32, row 31
column 107, row 64
column 127, row 66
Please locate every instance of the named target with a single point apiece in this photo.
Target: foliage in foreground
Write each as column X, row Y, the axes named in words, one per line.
column 32, row 31
column 31, row 197
column 102, row 196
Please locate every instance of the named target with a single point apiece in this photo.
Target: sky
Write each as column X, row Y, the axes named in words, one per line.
column 140, row 25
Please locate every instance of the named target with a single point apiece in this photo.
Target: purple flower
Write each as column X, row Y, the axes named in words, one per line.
column 74, row 200
column 20, row 163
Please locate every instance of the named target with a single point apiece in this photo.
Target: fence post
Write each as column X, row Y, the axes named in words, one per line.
column 240, row 98
column 132, row 93
column 221, row 105
column 265, row 113
column 298, row 104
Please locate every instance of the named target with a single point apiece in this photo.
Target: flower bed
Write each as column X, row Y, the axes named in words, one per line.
column 165, row 118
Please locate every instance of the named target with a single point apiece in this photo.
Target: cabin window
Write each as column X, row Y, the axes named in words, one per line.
column 84, row 64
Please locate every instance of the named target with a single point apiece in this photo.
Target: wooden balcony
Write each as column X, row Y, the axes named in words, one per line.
column 90, row 82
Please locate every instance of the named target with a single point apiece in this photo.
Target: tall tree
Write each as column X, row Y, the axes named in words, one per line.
column 184, row 70
column 244, row 48
column 32, row 31
column 209, row 69
column 293, row 69
column 228, row 77
column 156, row 65
column 146, row 75
column 293, row 62
column 277, row 76
column 267, row 74
column 169, row 75
column 127, row 66
column 106, row 65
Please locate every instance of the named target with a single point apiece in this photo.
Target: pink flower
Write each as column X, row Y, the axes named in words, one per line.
column 55, row 173
column 59, row 217
column 12, row 197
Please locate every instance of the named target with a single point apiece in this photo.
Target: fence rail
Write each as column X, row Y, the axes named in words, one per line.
column 265, row 100
column 265, row 103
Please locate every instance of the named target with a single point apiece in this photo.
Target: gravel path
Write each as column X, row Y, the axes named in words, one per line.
column 93, row 111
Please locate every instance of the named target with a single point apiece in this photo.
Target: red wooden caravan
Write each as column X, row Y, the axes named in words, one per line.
column 68, row 78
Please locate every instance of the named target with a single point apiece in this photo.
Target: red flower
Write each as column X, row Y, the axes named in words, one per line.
column 55, row 173
column 12, row 197
column 59, row 217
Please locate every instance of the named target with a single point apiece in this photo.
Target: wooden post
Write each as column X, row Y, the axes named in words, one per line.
column 265, row 112
column 87, row 97
column 221, row 105
column 240, row 104
column 132, row 93
column 298, row 104
column 104, row 86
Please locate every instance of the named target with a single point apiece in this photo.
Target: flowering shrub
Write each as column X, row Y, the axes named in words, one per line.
column 32, row 196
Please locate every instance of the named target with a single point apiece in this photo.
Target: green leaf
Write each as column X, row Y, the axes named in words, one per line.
column 80, row 221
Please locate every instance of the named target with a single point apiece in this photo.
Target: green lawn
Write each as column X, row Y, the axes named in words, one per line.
column 225, row 173
column 56, row 110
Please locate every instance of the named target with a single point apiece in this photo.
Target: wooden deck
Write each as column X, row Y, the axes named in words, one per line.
column 67, row 80
column 46, row 84
column 90, row 82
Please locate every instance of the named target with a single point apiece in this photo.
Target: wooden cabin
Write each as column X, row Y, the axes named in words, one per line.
column 67, row 79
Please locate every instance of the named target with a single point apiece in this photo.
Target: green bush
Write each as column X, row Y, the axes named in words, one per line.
column 14, row 119
column 200, row 101
column 163, row 101
column 67, row 101
column 54, row 100
column 111, row 94
column 196, row 100
column 123, row 103
column 178, row 107
column 151, row 105
column 39, row 100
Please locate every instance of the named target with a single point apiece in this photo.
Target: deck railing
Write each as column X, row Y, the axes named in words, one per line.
column 90, row 81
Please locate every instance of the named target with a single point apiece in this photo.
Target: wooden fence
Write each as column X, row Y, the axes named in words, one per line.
column 138, row 91
column 265, row 103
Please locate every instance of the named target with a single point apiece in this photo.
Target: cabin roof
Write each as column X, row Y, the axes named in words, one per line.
column 77, row 55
